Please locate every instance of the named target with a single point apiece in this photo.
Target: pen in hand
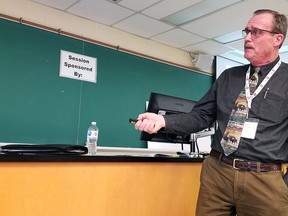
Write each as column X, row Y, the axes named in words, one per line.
column 266, row 92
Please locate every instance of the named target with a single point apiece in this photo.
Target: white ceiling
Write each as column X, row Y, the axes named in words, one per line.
column 208, row 29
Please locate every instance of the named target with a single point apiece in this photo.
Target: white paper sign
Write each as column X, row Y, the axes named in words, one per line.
column 76, row 66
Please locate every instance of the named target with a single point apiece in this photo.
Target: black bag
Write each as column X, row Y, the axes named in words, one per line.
column 38, row 149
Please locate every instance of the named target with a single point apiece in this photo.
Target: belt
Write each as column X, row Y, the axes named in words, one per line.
column 240, row 164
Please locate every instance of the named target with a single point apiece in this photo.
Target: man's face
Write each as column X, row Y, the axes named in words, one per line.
column 259, row 46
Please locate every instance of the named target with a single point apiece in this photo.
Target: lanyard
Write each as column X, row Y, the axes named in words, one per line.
column 260, row 87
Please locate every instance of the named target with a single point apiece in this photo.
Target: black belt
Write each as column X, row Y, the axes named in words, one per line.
column 245, row 165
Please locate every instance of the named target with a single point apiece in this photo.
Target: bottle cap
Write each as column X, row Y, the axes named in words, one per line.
column 93, row 123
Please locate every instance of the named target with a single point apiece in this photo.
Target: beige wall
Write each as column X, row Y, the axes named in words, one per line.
column 35, row 12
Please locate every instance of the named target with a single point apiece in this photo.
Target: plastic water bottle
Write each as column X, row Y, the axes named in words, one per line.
column 92, row 138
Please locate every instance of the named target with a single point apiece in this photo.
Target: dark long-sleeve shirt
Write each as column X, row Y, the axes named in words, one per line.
column 270, row 143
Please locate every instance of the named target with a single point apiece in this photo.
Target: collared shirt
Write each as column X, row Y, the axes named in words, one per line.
column 270, row 107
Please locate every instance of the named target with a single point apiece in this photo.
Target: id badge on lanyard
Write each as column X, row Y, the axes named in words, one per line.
column 251, row 124
column 250, row 128
column 250, row 97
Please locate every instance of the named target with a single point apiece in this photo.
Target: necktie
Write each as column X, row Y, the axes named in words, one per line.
column 232, row 134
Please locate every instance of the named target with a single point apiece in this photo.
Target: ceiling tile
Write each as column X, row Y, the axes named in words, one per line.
column 236, row 44
column 143, row 26
column 208, row 47
column 62, row 5
column 145, row 18
column 213, row 25
column 178, row 38
column 140, row 4
column 167, row 7
column 100, row 11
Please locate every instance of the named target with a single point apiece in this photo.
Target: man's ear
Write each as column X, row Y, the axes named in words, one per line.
column 279, row 39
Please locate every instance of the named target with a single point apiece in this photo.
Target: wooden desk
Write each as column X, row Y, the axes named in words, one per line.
column 131, row 187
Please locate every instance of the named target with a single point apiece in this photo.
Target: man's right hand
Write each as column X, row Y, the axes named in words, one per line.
column 150, row 122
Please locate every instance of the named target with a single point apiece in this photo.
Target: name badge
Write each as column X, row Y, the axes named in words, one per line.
column 250, row 128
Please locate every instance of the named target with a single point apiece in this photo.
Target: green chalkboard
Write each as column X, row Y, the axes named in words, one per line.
column 39, row 106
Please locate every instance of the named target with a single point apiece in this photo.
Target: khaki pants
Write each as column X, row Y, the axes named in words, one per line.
column 225, row 191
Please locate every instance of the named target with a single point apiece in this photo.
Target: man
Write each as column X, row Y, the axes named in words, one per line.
column 243, row 174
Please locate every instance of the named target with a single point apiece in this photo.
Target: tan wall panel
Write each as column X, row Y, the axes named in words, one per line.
column 104, row 189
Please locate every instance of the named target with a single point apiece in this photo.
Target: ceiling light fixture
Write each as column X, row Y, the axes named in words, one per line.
column 114, row 1
column 230, row 37
column 198, row 10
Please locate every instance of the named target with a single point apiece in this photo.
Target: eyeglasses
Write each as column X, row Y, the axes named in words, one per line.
column 255, row 32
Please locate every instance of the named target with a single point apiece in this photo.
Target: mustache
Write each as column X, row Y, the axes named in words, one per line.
column 247, row 45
